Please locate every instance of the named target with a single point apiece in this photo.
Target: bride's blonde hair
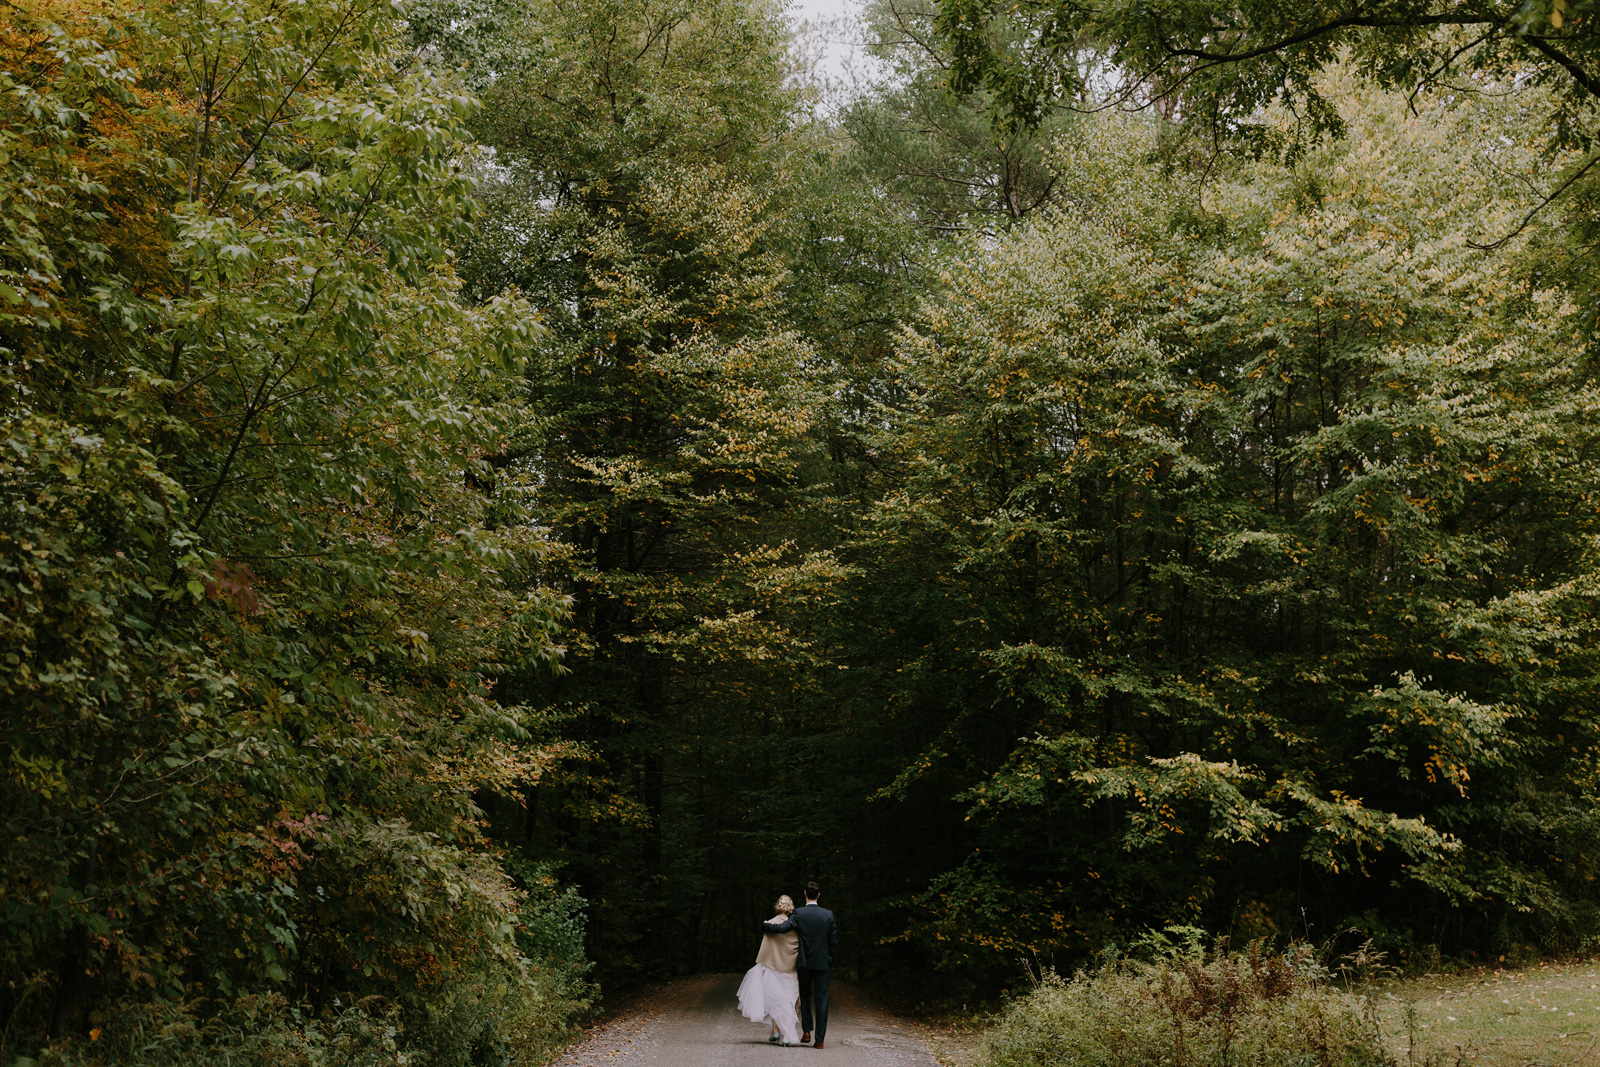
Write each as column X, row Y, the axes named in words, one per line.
column 785, row 905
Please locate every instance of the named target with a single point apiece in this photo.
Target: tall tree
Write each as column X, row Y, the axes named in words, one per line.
column 1224, row 61
column 246, row 601
column 646, row 158
column 935, row 150
column 1231, row 535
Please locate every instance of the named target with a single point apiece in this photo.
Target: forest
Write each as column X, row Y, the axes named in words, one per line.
column 494, row 491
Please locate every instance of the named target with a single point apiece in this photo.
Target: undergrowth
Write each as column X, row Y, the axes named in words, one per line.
column 500, row 1013
column 1233, row 1009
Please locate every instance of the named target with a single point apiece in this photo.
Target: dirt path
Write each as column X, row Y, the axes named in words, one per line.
column 695, row 1023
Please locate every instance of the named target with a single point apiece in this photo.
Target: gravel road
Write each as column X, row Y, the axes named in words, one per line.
column 695, row 1023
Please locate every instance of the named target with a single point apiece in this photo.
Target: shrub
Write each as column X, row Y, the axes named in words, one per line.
column 1230, row 1010
column 515, row 1005
column 251, row 1031
column 514, row 1014
column 495, row 1017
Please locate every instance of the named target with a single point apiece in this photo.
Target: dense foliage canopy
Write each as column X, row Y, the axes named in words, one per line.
column 488, row 488
column 251, row 611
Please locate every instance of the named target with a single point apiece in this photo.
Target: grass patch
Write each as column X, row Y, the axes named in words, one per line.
column 1544, row 1014
column 1243, row 1009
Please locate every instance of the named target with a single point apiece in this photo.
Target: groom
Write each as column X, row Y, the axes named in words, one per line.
column 819, row 937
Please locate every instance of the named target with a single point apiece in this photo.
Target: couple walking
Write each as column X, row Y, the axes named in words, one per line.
column 797, row 946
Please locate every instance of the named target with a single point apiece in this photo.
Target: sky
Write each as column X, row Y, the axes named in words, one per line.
column 839, row 50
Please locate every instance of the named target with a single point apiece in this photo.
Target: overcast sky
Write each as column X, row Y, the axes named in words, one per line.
column 838, row 45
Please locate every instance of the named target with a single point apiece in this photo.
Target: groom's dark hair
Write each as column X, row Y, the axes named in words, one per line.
column 813, row 891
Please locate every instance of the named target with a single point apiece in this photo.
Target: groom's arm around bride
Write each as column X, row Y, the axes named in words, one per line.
column 819, row 940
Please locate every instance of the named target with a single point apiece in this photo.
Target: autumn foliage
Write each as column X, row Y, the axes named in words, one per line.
column 250, row 615
column 494, row 489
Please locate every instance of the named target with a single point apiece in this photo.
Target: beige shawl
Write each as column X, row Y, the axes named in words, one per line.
column 781, row 952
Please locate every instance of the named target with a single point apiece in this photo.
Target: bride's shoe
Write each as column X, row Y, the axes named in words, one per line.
column 772, row 1039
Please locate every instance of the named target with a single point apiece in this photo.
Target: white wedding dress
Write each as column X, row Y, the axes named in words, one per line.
column 769, row 996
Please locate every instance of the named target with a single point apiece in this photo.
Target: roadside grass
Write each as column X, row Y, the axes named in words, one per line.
column 1545, row 1014
column 1189, row 1009
column 1542, row 1015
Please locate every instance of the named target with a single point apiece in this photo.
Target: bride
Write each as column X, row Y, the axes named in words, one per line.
column 771, row 988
